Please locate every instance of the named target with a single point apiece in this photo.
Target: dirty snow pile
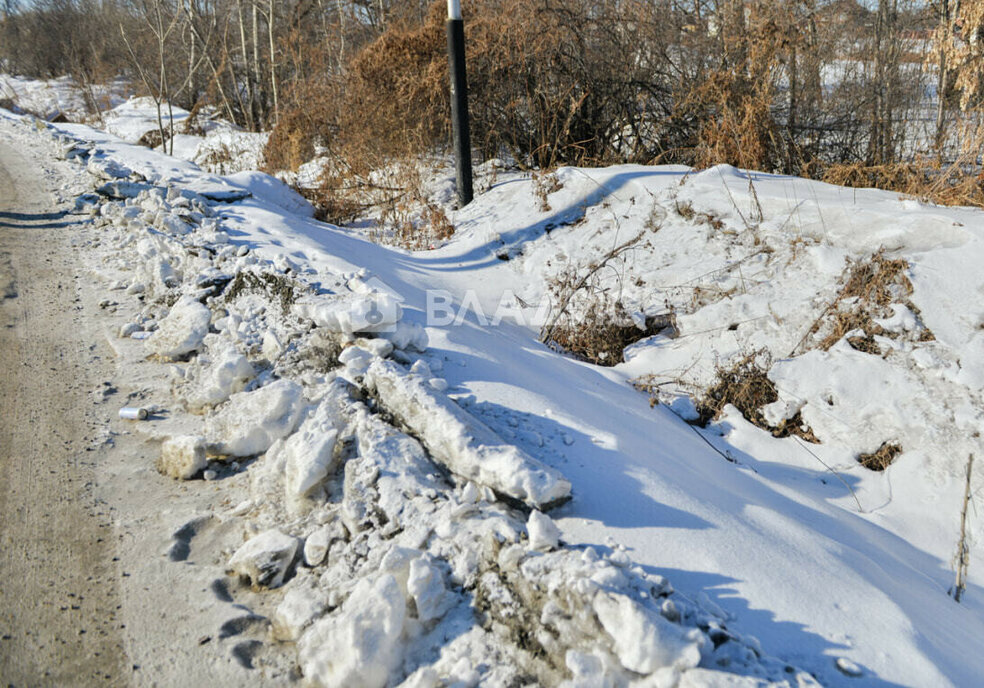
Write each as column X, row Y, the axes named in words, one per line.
column 405, row 540
column 206, row 138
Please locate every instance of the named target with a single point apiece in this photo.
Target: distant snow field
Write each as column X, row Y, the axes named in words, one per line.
column 459, row 504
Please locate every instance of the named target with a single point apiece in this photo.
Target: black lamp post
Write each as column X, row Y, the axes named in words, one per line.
column 459, row 103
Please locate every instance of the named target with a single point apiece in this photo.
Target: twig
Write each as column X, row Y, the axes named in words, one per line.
column 548, row 331
column 828, row 467
column 962, row 558
column 733, row 203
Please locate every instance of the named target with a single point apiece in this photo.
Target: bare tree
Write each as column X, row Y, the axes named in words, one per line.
column 162, row 19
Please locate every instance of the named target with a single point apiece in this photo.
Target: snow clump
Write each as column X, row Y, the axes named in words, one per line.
column 265, row 559
column 251, row 422
column 182, row 457
column 182, row 331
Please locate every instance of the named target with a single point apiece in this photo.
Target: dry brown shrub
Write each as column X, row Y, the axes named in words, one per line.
column 591, row 323
column 152, row 139
column 300, row 130
column 395, row 99
column 923, row 179
column 601, row 332
column 737, row 128
column 417, row 224
column 732, row 104
column 881, row 458
column 544, row 184
column 550, row 83
column 871, row 286
column 746, row 386
column 308, row 119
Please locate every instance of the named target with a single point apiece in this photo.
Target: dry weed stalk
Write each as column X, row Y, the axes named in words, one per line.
column 962, row 557
column 545, row 183
column 588, row 322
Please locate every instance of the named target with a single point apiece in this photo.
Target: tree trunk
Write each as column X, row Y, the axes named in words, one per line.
column 941, row 76
column 250, row 85
column 273, row 65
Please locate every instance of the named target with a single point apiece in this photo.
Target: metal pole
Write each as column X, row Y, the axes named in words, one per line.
column 459, row 103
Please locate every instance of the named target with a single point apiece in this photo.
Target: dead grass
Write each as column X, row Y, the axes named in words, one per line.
column 881, row 458
column 746, row 385
column 602, row 332
column 870, row 288
column 152, row 139
column 218, row 159
column 926, row 180
column 588, row 320
column 544, row 184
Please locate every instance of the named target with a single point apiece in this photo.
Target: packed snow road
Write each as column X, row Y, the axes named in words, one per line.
column 58, row 591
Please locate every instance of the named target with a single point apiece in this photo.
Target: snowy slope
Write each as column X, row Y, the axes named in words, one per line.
column 769, row 542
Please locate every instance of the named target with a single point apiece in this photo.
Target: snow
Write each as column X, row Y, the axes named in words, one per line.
column 214, row 377
column 273, row 191
column 643, row 640
column 414, row 568
column 543, row 532
column 466, row 446
column 360, row 646
column 310, row 454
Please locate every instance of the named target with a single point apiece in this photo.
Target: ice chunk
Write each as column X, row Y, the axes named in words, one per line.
column 406, row 336
column 543, row 532
column 265, row 559
column 299, row 608
column 316, row 546
column 107, row 169
column 425, row 585
column 359, row 646
column 172, row 224
column 182, row 331
column 252, row 421
column 356, row 360
column 644, row 641
column 377, row 312
column 228, row 373
column 310, row 455
column 462, row 443
column 182, row 457
column 120, row 189
column 272, row 347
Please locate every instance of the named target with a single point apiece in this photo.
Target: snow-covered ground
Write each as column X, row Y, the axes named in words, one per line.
column 50, row 98
column 401, row 428
column 207, row 140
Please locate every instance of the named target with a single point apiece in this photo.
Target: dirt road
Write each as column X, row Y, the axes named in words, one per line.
column 59, row 597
